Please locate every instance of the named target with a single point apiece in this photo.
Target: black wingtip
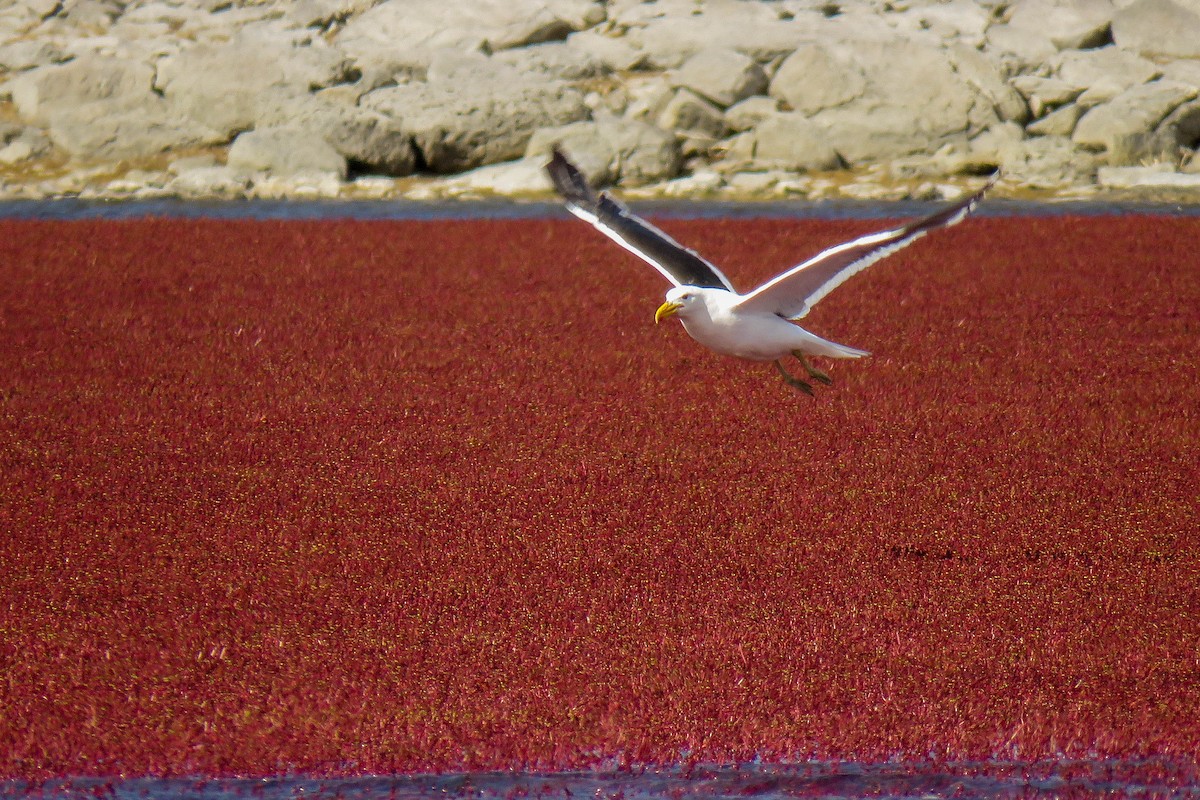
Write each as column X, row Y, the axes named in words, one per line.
column 568, row 180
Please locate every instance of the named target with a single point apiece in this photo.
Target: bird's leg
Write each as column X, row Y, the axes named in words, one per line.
column 813, row 372
column 792, row 380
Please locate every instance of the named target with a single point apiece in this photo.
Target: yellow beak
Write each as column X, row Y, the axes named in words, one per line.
column 666, row 311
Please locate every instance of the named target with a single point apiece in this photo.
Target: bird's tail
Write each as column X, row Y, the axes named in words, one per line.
column 824, row 347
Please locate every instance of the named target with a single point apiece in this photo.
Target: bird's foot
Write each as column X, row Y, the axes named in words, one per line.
column 793, row 381
column 813, row 372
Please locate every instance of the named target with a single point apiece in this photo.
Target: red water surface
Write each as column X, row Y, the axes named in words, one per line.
column 349, row 497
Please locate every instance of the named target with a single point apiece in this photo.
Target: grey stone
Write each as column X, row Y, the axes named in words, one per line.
column 422, row 26
column 1182, row 126
column 285, row 151
column 750, row 112
column 1021, row 48
column 460, row 124
column 963, row 21
column 508, row 179
column 613, row 149
column 987, row 78
column 1158, row 29
column 208, row 181
column 1146, row 177
column 813, row 79
column 754, row 29
column 914, row 102
column 790, row 141
column 1045, row 93
column 1135, row 111
column 29, row 53
column 1105, row 72
column 224, row 85
column 614, row 52
column 1060, row 122
column 363, row 136
column 104, row 131
column 1068, row 24
column 722, row 76
column 1047, row 162
column 690, row 113
column 554, row 60
column 120, row 83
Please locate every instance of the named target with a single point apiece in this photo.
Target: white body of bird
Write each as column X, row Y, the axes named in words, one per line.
column 712, row 318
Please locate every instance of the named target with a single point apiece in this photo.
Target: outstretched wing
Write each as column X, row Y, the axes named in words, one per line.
column 795, row 292
column 678, row 264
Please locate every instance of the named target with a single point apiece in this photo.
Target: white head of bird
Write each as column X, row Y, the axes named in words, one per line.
column 685, row 302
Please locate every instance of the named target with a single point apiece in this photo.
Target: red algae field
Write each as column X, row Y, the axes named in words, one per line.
column 350, row 497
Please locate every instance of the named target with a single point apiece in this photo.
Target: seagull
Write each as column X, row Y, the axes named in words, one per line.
column 759, row 325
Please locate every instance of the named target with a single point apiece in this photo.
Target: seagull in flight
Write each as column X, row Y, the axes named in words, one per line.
column 759, row 325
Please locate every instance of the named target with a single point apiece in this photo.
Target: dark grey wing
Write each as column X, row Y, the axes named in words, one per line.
column 677, row 263
column 796, row 291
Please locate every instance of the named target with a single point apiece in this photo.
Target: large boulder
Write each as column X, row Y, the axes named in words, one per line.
column 365, row 137
column 100, row 131
column 1068, row 24
column 612, row 149
column 880, row 99
column 104, row 108
column 1135, row 112
column 417, row 28
column 762, row 31
column 225, row 84
column 688, row 113
column 813, row 79
column 790, row 141
column 1104, row 73
column 1158, row 29
column 722, row 76
column 479, row 116
column 285, row 151
column 117, row 82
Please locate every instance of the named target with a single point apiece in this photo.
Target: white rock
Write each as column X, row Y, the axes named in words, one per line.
column 1135, row 111
column 702, row 183
column 285, row 152
column 510, row 179
column 750, row 112
column 987, row 78
column 1105, row 72
column 300, row 186
column 813, row 79
column 1047, row 162
column 15, row 152
column 754, row 29
column 1148, row 177
column 1158, row 29
column 914, row 101
column 722, row 76
column 554, row 60
column 613, row 149
column 372, row 140
column 121, row 83
column 1068, row 24
column 1023, row 48
column 418, row 26
column 788, row 140
column 1045, row 93
column 225, row 85
column 1060, row 122
column 26, row 54
column 687, row 112
column 104, row 131
column 614, row 52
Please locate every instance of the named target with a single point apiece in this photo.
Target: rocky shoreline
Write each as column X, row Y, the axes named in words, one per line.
column 728, row 99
